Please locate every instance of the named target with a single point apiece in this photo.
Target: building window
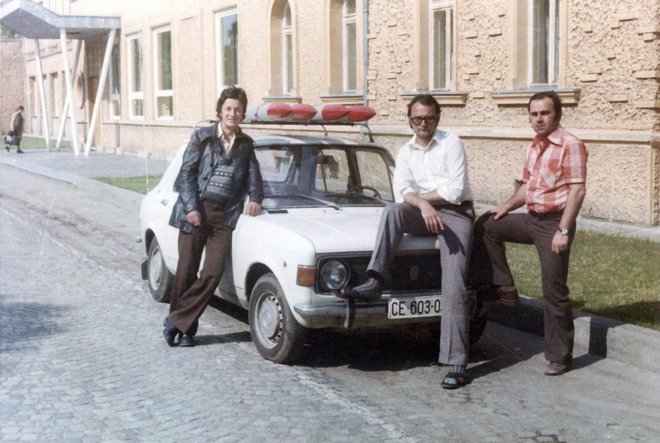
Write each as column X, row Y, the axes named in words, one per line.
column 543, row 51
column 135, row 91
column 53, row 101
column 114, row 84
column 226, row 26
column 441, row 45
column 349, row 49
column 163, row 72
column 287, row 51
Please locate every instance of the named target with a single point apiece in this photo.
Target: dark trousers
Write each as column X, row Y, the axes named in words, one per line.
column 454, row 245
column 491, row 265
column 190, row 293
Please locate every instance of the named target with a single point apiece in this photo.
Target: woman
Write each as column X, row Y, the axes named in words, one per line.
column 16, row 129
column 219, row 167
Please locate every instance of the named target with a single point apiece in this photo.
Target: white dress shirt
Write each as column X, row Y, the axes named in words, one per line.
column 440, row 167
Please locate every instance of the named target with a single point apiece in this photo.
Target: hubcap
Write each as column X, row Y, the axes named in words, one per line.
column 269, row 319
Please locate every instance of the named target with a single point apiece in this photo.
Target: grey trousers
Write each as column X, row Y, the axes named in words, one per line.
column 454, row 243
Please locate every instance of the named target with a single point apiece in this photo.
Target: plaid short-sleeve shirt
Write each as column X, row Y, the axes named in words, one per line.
column 551, row 165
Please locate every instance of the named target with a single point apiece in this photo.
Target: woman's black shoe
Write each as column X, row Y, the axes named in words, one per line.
column 170, row 332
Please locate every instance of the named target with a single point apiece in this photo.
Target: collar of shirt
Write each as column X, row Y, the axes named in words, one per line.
column 435, row 141
column 227, row 144
column 556, row 137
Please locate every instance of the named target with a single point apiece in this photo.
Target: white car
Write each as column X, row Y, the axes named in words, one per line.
column 314, row 236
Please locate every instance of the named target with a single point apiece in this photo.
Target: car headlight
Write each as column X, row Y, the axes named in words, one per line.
column 334, row 275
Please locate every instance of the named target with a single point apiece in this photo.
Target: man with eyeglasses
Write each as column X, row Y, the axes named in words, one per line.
column 433, row 197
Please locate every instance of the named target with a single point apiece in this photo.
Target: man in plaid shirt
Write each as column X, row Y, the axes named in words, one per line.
column 553, row 190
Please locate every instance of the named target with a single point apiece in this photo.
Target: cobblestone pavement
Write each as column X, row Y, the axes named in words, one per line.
column 82, row 358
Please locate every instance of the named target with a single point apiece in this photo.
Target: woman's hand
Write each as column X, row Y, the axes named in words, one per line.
column 252, row 209
column 194, row 218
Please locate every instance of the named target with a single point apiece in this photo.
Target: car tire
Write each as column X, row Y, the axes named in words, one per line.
column 159, row 278
column 275, row 332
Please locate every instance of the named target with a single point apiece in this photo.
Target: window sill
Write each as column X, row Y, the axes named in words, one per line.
column 343, row 99
column 282, row 99
column 520, row 97
column 445, row 98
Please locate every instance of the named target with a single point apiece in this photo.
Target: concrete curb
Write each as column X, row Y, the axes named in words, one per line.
column 630, row 344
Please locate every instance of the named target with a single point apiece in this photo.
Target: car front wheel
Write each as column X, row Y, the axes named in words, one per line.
column 275, row 332
column 158, row 276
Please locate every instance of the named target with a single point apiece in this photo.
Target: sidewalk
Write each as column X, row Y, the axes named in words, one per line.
column 600, row 336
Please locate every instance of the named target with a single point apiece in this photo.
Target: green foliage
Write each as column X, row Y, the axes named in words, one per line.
column 7, row 33
column 612, row 276
column 141, row 184
column 30, row 142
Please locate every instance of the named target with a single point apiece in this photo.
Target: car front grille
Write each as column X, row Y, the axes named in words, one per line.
column 410, row 271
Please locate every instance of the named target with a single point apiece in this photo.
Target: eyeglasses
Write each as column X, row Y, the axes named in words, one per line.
column 430, row 119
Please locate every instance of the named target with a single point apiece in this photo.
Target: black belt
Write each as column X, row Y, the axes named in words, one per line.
column 546, row 215
column 467, row 204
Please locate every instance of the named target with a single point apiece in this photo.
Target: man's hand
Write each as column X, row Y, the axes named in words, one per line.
column 499, row 212
column 252, row 209
column 194, row 218
column 431, row 217
column 559, row 243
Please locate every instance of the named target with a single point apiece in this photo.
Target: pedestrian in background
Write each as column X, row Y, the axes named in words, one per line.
column 16, row 123
column 553, row 189
column 219, row 168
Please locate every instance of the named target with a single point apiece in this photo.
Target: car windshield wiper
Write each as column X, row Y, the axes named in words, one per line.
column 308, row 197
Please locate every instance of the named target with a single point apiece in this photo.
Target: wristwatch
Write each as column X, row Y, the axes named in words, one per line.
column 563, row 231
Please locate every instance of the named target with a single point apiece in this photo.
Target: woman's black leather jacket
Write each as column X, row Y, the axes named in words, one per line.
column 203, row 153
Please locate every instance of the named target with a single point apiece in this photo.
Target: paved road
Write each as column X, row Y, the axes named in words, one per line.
column 82, row 358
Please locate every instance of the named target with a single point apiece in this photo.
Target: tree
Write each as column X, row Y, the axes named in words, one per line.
column 7, row 33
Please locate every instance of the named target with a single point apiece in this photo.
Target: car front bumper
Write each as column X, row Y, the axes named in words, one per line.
column 344, row 314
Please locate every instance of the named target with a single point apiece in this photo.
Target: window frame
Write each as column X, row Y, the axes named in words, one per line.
column 220, row 52
column 114, row 82
column 448, row 7
column 287, row 50
column 349, row 65
column 134, row 94
column 157, row 61
column 552, row 45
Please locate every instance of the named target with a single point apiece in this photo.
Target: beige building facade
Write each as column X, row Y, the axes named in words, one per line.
column 482, row 59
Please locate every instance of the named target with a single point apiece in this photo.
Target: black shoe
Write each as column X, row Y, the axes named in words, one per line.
column 7, row 148
column 507, row 295
column 20, row 151
column 170, row 332
column 368, row 291
column 186, row 341
column 192, row 330
column 454, row 380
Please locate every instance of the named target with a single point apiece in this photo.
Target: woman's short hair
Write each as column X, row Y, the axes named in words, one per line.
column 231, row 92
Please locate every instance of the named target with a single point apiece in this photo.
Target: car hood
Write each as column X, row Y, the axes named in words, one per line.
column 340, row 230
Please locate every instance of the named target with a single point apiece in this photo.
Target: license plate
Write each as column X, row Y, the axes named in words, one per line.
column 413, row 307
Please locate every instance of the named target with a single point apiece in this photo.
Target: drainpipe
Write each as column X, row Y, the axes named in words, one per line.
column 365, row 51
column 365, row 58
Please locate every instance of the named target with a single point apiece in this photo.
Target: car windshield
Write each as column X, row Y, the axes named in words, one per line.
column 324, row 175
